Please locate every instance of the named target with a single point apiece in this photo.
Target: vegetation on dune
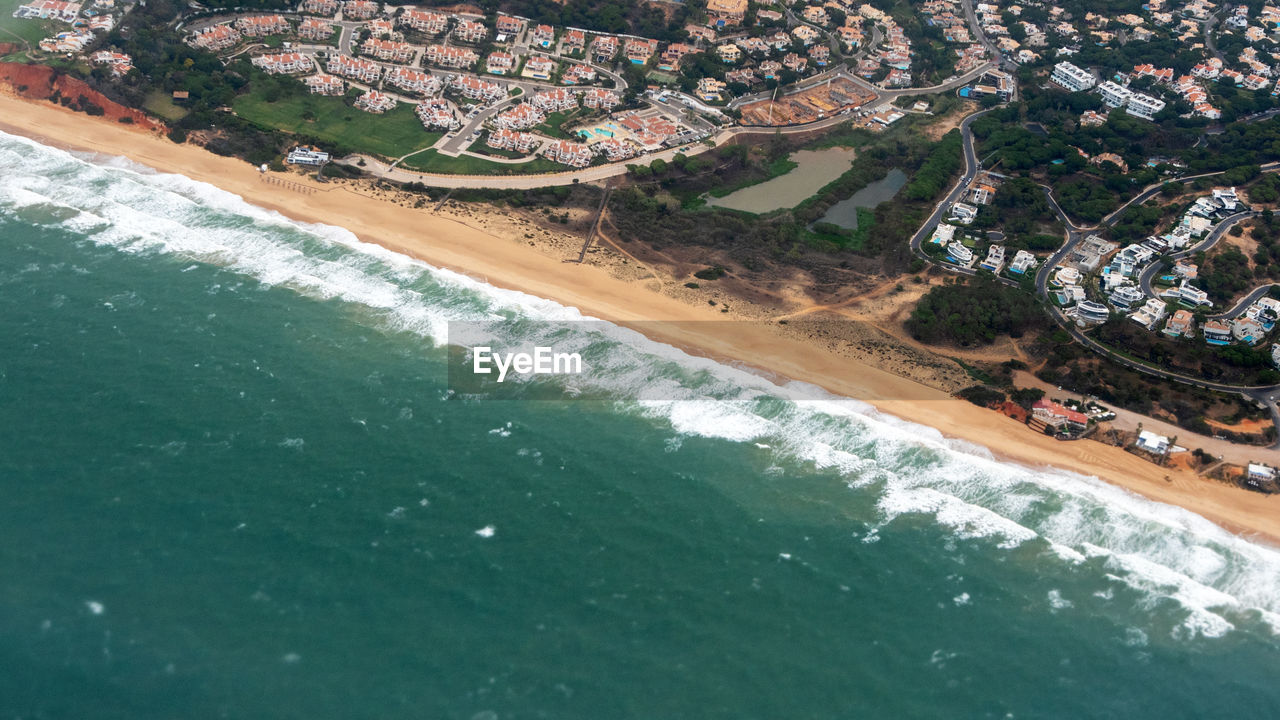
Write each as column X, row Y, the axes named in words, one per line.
column 974, row 313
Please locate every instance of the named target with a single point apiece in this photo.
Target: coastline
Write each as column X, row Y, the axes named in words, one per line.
column 510, row 263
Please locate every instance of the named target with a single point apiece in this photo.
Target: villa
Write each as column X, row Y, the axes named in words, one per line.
column 119, row 63
column 994, row 261
column 539, row 67
column 507, row 25
column 639, row 50
column 1181, row 324
column 725, row 13
column 578, row 74
column 574, row 41
column 49, row 10
column 959, row 254
column 543, row 36
column 1217, row 332
column 604, row 48
column 499, row 63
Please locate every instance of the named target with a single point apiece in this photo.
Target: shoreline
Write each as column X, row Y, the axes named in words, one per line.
column 509, row 263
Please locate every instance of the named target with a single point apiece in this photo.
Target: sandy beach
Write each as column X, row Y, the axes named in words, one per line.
column 510, row 262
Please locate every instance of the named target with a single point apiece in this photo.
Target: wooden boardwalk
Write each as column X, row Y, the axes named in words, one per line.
column 287, row 184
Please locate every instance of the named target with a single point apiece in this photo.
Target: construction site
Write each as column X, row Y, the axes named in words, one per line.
column 815, row 103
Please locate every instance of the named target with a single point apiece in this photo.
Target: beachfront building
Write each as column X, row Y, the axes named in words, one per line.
column 119, row 63
column 387, row 50
column 303, row 155
column 215, row 38
column 474, row 88
column 263, row 25
column 1152, row 443
column 320, row 7
column 520, row 117
column 450, row 56
column 470, row 31
column 414, row 81
column 437, row 113
column 325, row 84
column 359, row 9
column 355, row 68
column 568, row 153
column 559, row 99
column 424, row 21
column 511, row 140
column 314, row 29
column 1072, row 78
column 1054, row 415
column 283, row 63
column 375, row 102
column 48, row 10
column 601, row 99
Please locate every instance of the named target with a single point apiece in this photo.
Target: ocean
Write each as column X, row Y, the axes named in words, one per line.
column 238, row 483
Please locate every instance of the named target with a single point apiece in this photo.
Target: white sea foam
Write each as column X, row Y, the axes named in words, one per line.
column 1161, row 550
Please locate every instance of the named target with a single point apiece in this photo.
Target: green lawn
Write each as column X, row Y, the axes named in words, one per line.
column 33, row 31
column 161, row 104
column 433, row 162
column 331, row 120
column 551, row 126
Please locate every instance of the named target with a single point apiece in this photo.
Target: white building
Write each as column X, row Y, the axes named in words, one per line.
column 303, row 155
column 1072, row 78
column 1114, row 95
column 1144, row 106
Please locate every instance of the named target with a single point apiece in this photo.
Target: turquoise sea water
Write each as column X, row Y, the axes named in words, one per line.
column 237, row 485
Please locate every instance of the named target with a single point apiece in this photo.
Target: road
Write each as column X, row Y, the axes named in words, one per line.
column 971, row 167
column 1244, row 303
column 1149, row 273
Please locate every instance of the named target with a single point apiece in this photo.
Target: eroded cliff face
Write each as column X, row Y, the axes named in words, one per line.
column 40, row 82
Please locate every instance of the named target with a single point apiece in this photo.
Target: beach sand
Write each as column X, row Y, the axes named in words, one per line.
column 510, row 262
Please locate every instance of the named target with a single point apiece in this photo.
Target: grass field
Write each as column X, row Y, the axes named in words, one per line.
column 161, row 105
column 433, row 162
column 33, row 31
column 330, row 119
